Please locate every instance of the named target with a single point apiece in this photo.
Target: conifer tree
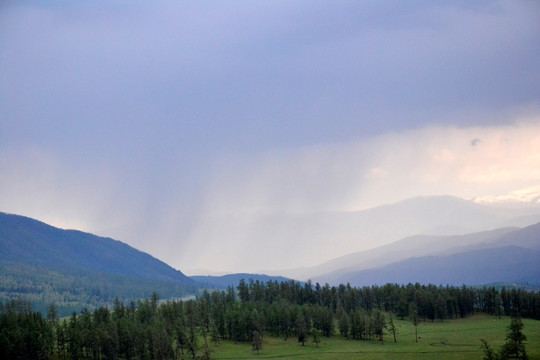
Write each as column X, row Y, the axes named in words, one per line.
column 489, row 354
column 413, row 315
column 514, row 347
column 344, row 324
column 315, row 334
column 257, row 341
column 392, row 327
column 301, row 328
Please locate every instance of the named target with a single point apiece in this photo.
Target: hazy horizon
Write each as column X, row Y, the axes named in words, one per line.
column 194, row 131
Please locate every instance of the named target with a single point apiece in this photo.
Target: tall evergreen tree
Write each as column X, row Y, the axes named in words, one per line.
column 344, row 324
column 257, row 341
column 301, row 327
column 514, row 348
column 489, row 354
column 378, row 324
column 392, row 327
column 413, row 315
column 52, row 315
column 315, row 334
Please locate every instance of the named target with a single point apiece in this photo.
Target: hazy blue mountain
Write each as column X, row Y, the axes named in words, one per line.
column 383, row 225
column 222, row 282
column 413, row 246
column 419, row 246
column 505, row 264
column 528, row 237
column 28, row 241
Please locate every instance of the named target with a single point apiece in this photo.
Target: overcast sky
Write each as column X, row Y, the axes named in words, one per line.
column 154, row 122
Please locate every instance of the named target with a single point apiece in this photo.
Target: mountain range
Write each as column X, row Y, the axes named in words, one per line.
column 507, row 254
column 358, row 231
column 511, row 264
column 74, row 269
column 413, row 246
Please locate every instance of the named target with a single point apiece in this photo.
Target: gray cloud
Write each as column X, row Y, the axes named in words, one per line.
column 121, row 116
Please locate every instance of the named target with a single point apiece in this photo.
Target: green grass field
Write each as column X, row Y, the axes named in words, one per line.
column 453, row 339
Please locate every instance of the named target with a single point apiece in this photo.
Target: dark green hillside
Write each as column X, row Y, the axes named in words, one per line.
column 72, row 269
column 28, row 241
column 73, row 290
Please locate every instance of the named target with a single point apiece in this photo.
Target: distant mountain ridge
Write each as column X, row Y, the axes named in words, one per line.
column 413, row 246
column 509, row 255
column 387, row 224
column 505, row 264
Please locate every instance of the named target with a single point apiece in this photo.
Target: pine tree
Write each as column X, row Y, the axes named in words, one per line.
column 488, row 351
column 315, row 335
column 378, row 324
column 344, row 324
column 301, row 328
column 257, row 341
column 392, row 327
column 498, row 305
column 413, row 315
column 52, row 315
column 191, row 319
column 514, row 347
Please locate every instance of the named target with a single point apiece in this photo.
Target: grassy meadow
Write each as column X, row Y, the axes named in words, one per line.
column 451, row 339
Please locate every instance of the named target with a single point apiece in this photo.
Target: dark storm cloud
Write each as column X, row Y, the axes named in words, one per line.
column 281, row 73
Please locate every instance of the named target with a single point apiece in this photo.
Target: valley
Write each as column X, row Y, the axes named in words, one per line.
column 452, row 289
column 197, row 180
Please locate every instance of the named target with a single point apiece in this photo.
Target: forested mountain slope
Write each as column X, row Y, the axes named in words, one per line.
column 77, row 270
column 28, row 241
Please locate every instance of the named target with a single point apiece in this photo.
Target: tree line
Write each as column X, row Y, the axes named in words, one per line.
column 153, row 329
column 432, row 302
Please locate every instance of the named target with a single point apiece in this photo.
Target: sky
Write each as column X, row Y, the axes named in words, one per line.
column 172, row 125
